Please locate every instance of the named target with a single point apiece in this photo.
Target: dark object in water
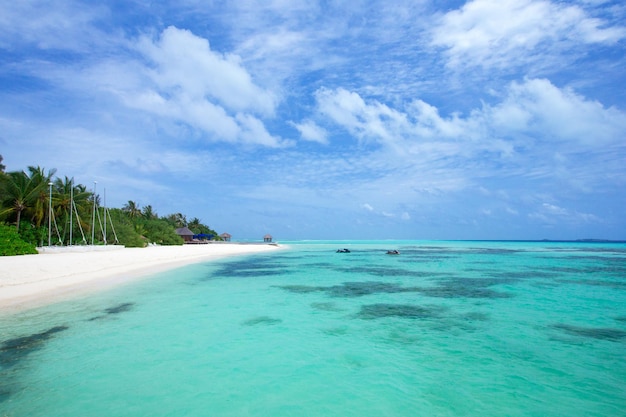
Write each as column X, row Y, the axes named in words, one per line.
column 344, row 250
column 121, row 308
column 393, row 252
column 600, row 333
column 12, row 350
column 266, row 320
column 405, row 311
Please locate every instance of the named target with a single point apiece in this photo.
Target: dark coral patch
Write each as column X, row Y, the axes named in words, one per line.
column 261, row 320
column 601, row 333
column 467, row 288
column 382, row 271
column 299, row 289
column 326, row 306
column 351, row 289
column 407, row 311
column 14, row 350
column 121, row 308
column 250, row 268
column 359, row 289
column 451, row 288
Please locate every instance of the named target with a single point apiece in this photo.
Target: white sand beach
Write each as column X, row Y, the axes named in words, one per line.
column 29, row 281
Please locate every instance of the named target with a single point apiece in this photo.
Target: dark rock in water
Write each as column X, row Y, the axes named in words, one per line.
column 119, row 308
column 601, row 333
column 261, row 320
column 407, row 311
column 13, row 350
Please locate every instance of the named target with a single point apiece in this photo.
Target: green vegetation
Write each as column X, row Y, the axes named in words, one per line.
column 12, row 244
column 25, row 201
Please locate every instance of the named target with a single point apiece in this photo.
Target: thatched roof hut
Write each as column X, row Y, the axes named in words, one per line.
column 185, row 233
column 267, row 238
column 226, row 236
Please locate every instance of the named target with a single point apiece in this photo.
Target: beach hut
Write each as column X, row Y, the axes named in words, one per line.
column 225, row 237
column 185, row 233
column 267, row 238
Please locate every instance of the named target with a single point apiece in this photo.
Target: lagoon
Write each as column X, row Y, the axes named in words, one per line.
column 443, row 329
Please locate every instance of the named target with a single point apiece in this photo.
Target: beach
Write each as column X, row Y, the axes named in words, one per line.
column 30, row 281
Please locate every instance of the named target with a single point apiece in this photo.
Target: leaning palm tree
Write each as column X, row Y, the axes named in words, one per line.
column 21, row 193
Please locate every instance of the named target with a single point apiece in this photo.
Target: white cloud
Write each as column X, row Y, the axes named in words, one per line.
column 254, row 132
column 184, row 80
column 553, row 214
column 310, row 131
column 367, row 207
column 533, row 107
column 499, row 33
column 185, row 65
column 64, row 25
column 537, row 107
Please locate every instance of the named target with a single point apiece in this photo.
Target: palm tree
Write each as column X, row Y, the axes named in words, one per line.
column 132, row 209
column 148, row 213
column 64, row 190
column 39, row 210
column 21, row 192
column 195, row 225
column 177, row 220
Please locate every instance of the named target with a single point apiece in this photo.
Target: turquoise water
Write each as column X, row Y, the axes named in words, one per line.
column 443, row 329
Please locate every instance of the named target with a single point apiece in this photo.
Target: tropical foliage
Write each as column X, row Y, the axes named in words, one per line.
column 44, row 210
column 12, row 244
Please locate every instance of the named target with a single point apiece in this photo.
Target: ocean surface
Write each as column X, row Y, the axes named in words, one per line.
column 442, row 329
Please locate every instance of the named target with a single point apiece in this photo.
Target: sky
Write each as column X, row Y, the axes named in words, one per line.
column 422, row 119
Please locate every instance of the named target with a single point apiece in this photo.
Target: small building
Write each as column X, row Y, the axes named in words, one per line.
column 267, row 238
column 185, row 233
column 225, row 237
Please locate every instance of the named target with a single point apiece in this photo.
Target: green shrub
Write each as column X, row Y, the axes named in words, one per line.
column 160, row 232
column 126, row 233
column 11, row 243
column 34, row 235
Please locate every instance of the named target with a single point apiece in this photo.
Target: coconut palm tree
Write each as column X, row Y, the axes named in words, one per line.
column 177, row 220
column 63, row 192
column 148, row 213
column 39, row 210
column 132, row 209
column 21, row 193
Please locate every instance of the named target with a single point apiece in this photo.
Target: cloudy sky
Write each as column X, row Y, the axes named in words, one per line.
column 422, row 119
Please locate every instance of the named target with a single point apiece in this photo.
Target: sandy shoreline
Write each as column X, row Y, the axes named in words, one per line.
column 30, row 281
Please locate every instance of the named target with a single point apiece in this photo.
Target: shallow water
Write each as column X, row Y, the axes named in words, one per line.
column 443, row 329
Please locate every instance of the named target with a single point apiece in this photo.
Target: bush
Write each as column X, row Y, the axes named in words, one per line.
column 126, row 233
column 160, row 232
column 34, row 235
column 11, row 243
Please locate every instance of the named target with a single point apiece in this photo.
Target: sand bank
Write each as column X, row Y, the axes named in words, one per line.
column 33, row 280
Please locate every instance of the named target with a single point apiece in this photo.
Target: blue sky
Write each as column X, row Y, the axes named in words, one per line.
column 485, row 119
